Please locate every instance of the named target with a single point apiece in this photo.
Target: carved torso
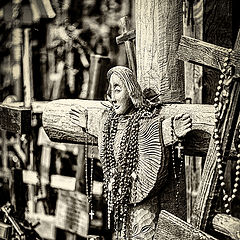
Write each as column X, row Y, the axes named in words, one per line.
column 152, row 172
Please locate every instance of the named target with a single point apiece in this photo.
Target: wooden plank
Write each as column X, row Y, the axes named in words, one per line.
column 59, row 125
column 16, row 57
column 27, row 83
column 58, row 122
column 170, row 227
column 63, row 182
column 72, row 212
column 227, row 225
column 14, row 119
column 197, row 51
column 158, row 32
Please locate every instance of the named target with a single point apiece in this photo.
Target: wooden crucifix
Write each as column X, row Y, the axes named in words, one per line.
column 157, row 68
column 127, row 38
column 200, row 52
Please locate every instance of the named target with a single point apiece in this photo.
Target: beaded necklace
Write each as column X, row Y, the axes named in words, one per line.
column 89, row 184
column 180, row 157
column 120, row 175
column 221, row 104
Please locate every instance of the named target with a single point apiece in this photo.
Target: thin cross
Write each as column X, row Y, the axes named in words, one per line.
column 179, row 148
column 91, row 214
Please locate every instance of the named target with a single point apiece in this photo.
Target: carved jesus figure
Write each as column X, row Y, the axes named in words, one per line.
column 141, row 175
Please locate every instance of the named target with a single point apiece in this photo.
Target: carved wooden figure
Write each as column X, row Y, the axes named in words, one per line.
column 133, row 156
column 65, row 120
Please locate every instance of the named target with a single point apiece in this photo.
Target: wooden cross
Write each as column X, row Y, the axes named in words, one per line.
column 127, row 38
column 211, row 55
column 166, row 78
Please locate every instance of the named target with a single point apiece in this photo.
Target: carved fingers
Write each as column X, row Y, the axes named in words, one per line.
column 182, row 124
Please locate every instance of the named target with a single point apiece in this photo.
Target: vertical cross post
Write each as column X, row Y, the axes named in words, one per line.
column 127, row 37
column 158, row 31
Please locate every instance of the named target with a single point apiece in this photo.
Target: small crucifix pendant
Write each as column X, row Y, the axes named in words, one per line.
column 91, row 214
column 179, row 148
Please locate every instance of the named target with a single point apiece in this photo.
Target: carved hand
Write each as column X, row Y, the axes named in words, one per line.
column 182, row 124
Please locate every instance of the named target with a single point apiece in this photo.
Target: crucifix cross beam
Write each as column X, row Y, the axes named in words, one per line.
column 157, row 68
column 200, row 52
column 203, row 53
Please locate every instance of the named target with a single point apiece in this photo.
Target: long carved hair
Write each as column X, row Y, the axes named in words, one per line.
column 129, row 80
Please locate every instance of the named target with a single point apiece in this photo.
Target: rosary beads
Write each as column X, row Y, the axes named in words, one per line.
column 221, row 104
column 179, row 147
column 120, row 168
column 89, row 185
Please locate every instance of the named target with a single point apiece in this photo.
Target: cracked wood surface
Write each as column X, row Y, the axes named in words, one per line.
column 60, row 126
column 200, row 52
column 158, row 31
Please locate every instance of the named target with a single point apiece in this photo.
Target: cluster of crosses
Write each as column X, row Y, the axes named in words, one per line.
column 158, row 65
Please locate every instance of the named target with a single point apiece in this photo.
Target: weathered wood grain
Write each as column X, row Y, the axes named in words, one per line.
column 197, row 51
column 158, row 31
column 170, row 227
column 60, row 126
column 193, row 75
column 126, row 37
column 218, row 29
column 14, row 119
column 227, row 225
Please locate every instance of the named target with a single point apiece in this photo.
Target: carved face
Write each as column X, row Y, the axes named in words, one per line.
column 118, row 95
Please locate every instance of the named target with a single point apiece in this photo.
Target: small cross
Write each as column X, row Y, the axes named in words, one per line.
column 179, row 148
column 91, row 214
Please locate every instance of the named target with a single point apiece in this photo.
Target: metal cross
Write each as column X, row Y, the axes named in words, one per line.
column 179, row 148
column 91, row 214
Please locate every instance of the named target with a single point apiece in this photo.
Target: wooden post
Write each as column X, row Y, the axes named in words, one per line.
column 16, row 57
column 27, row 84
column 97, row 76
column 17, row 190
column 158, row 31
column 193, row 73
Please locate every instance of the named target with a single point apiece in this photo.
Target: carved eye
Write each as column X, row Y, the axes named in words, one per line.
column 117, row 89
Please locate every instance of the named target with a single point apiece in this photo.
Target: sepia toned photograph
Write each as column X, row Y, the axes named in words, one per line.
column 119, row 120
